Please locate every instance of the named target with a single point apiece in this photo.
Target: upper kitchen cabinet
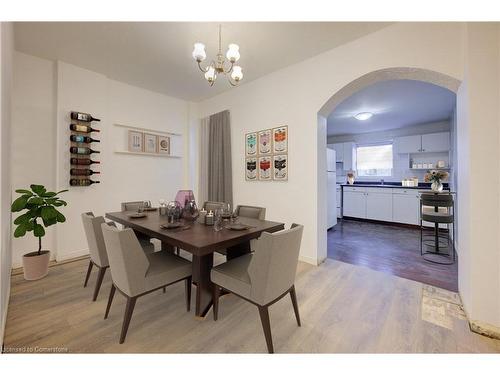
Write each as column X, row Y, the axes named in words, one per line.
column 344, row 154
column 339, row 151
column 435, row 142
column 409, row 144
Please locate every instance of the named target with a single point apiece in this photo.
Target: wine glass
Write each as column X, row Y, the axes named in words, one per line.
column 218, row 219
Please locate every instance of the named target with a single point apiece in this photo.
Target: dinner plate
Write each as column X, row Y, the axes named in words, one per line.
column 237, row 226
column 172, row 225
column 137, row 215
column 151, row 209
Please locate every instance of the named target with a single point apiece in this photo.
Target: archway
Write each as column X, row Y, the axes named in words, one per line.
column 394, row 73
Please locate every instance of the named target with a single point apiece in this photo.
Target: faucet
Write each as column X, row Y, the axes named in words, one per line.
column 381, row 181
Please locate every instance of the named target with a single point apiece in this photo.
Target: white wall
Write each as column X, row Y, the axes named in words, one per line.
column 401, row 162
column 123, row 177
column 294, row 95
column 6, row 51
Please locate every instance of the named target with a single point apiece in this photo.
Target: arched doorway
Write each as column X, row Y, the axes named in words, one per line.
column 394, row 73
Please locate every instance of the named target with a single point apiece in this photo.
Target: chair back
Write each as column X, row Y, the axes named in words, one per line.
column 252, row 212
column 93, row 232
column 274, row 263
column 436, row 200
column 127, row 261
column 212, row 205
column 132, row 206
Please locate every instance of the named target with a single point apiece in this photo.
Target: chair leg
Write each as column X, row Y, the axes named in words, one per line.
column 164, row 289
column 110, row 300
column 100, row 276
column 88, row 273
column 216, row 295
column 293, row 296
column 129, row 309
column 188, row 282
column 266, row 326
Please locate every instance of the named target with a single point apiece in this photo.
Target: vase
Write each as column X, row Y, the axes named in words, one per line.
column 190, row 211
column 437, row 186
column 350, row 180
column 36, row 265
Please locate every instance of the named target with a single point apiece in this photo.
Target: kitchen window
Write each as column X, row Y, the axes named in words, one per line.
column 374, row 160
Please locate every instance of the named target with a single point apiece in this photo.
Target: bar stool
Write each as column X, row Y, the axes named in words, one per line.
column 437, row 208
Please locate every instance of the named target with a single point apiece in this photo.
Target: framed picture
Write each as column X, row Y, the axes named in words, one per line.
column 251, row 144
column 150, row 143
column 265, row 142
column 265, row 168
column 251, row 169
column 163, row 145
column 280, row 139
column 135, row 141
column 280, row 167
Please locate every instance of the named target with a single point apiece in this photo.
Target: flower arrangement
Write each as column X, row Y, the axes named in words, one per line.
column 350, row 177
column 436, row 176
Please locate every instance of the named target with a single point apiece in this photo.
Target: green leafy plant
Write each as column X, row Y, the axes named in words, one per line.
column 40, row 205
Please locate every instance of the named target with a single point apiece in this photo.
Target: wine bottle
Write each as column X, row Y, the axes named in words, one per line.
column 82, row 172
column 82, row 139
column 76, row 161
column 82, row 150
column 82, row 182
column 83, row 117
column 82, row 128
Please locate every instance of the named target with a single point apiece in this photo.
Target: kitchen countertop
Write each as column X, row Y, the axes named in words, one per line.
column 394, row 185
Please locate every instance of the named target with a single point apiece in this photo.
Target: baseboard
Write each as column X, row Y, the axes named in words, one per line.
column 73, row 254
column 4, row 318
column 481, row 328
column 309, row 260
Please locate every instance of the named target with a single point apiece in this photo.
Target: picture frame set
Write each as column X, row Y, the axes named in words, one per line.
column 266, row 154
column 143, row 142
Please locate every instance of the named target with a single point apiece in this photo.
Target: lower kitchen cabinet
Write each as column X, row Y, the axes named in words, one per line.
column 379, row 204
column 354, row 204
column 405, row 207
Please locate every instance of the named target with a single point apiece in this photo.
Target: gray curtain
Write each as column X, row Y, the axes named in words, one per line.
column 220, row 174
column 203, row 160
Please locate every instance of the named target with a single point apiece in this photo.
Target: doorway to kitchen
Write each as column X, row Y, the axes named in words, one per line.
column 387, row 137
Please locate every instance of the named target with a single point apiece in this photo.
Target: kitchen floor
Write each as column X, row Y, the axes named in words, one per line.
column 390, row 249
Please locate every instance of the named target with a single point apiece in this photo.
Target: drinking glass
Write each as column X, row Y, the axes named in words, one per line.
column 218, row 220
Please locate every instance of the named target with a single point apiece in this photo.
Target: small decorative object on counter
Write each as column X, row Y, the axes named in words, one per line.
column 209, row 219
column 419, row 166
column 174, row 210
column 162, row 210
column 436, row 178
column 218, row 219
column 415, row 181
column 441, row 164
column 190, row 211
column 350, row 177
column 202, row 216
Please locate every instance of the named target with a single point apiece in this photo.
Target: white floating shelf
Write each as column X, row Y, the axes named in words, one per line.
column 154, row 131
column 426, row 169
column 147, row 154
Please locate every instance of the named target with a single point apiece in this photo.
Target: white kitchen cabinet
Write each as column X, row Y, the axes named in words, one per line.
column 339, row 151
column 379, row 204
column 339, row 197
column 405, row 206
column 436, row 142
column 408, row 145
column 354, row 203
column 348, row 159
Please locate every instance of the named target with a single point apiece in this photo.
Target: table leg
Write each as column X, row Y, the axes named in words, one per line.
column 238, row 250
column 166, row 247
column 201, row 277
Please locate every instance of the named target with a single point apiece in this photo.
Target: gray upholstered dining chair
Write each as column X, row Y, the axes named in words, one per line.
column 212, row 205
column 97, row 248
column 143, row 239
column 263, row 277
column 135, row 273
column 252, row 212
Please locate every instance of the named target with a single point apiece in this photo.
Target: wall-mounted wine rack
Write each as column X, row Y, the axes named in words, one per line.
column 81, row 139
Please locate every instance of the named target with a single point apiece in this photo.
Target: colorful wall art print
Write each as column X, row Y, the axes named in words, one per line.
column 265, row 142
column 280, row 167
column 280, row 139
column 265, row 170
column 251, row 144
column 164, row 145
column 251, row 169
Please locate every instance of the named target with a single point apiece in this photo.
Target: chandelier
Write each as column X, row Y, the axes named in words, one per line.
column 220, row 65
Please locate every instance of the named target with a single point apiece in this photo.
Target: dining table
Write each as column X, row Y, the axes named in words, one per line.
column 201, row 241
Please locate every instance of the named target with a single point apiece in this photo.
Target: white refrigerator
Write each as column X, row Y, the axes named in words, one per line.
column 331, row 190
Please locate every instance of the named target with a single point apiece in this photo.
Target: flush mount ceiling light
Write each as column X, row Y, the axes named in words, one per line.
column 220, row 64
column 362, row 116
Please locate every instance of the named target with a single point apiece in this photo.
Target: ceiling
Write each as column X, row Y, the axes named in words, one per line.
column 157, row 55
column 395, row 104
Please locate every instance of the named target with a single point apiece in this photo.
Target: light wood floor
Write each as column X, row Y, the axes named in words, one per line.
column 344, row 309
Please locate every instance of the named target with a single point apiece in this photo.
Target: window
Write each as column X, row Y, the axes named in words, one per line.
column 374, row 160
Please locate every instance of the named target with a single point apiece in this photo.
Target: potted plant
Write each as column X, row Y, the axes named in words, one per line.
column 436, row 177
column 40, row 206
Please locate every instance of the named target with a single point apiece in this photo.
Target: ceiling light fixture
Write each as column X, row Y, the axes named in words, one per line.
column 362, row 116
column 219, row 65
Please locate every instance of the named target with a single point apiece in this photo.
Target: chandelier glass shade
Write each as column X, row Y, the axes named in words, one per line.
column 221, row 65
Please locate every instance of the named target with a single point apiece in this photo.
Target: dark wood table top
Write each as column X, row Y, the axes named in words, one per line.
column 199, row 239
